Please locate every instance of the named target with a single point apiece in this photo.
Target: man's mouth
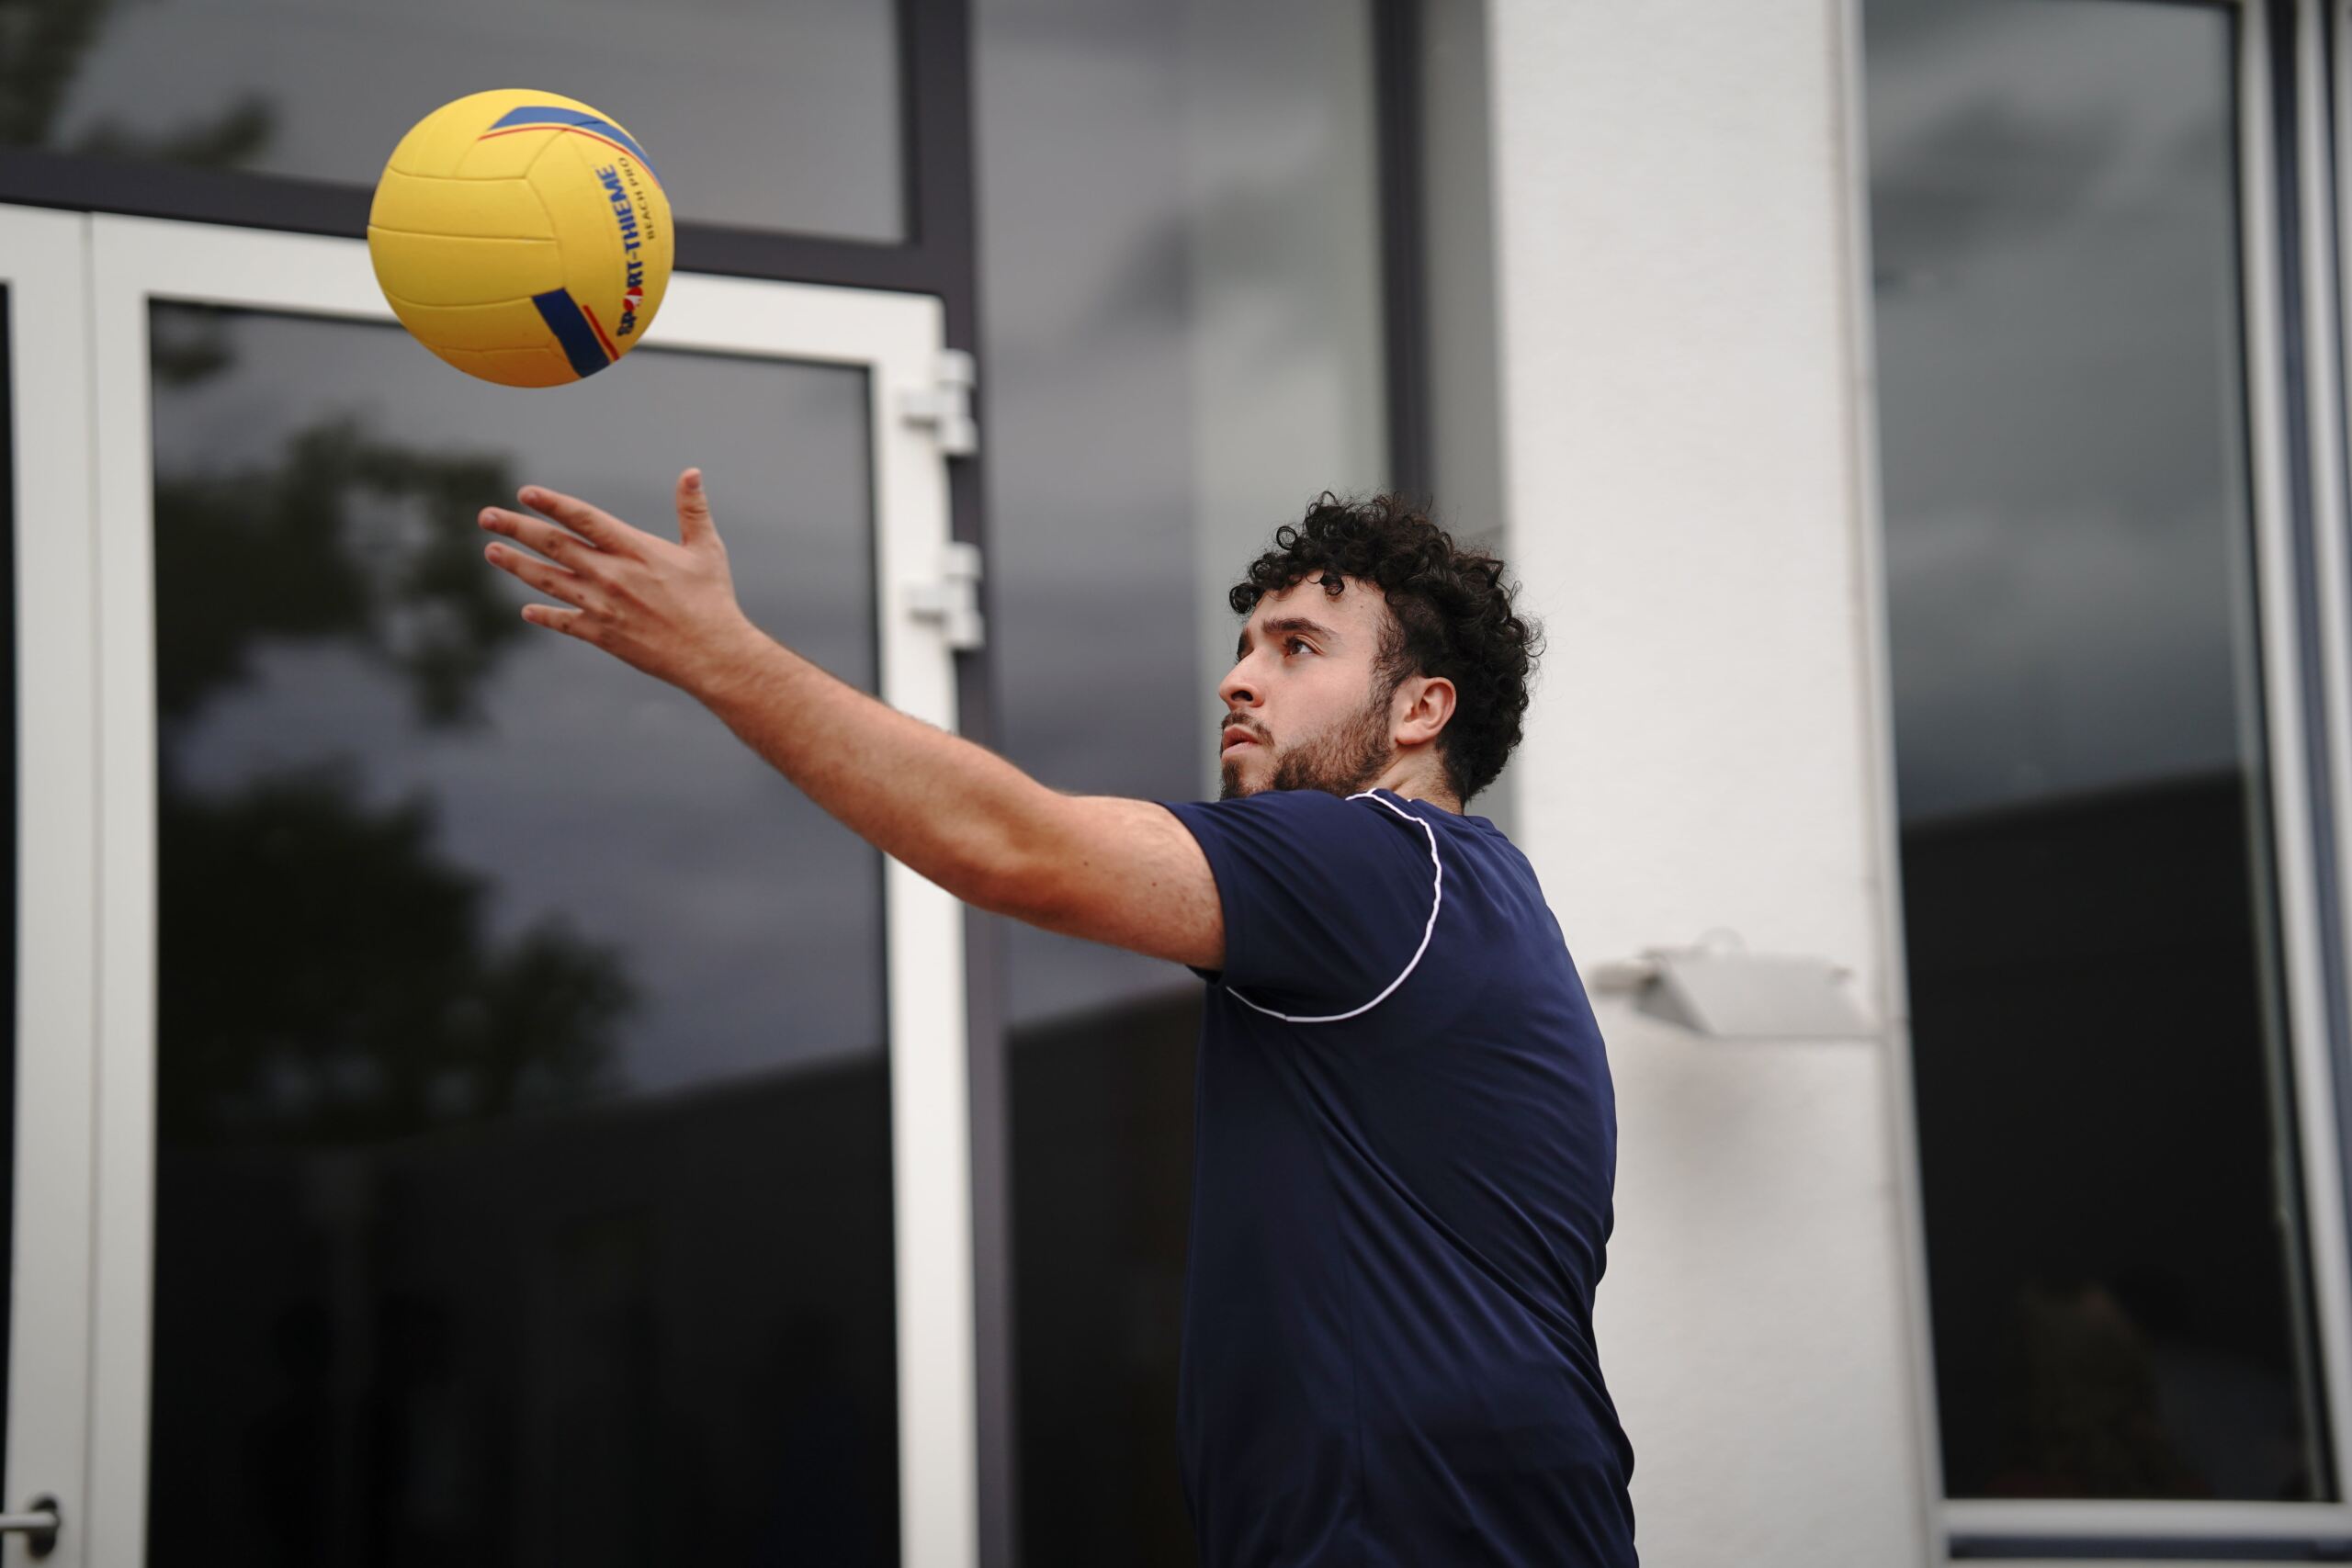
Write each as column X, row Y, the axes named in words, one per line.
column 1235, row 736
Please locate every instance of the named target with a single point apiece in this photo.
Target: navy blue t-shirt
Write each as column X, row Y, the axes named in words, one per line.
column 1404, row 1147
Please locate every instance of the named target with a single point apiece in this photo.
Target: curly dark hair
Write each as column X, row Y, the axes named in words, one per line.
column 1450, row 614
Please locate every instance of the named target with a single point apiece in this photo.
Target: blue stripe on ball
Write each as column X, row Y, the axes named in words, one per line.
column 561, row 312
column 550, row 114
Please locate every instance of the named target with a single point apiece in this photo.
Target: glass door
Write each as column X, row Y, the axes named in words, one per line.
column 48, row 782
column 526, row 1131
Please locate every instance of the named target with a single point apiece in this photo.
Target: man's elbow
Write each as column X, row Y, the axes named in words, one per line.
column 1003, row 880
column 1020, row 867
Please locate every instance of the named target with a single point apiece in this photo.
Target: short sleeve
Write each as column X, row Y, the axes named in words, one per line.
column 1329, row 903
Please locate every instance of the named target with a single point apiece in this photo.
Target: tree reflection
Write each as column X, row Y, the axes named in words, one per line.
column 344, row 993
column 325, row 975
column 343, row 538
column 41, row 46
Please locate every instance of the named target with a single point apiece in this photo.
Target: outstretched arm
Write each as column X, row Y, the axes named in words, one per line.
column 1122, row 871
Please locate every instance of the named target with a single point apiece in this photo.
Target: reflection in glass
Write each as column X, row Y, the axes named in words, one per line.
column 524, row 1186
column 772, row 117
column 1179, row 258
column 2118, row 1281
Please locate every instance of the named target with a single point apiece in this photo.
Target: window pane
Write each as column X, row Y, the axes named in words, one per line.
column 2118, row 1289
column 1180, row 254
column 524, row 1177
column 766, row 117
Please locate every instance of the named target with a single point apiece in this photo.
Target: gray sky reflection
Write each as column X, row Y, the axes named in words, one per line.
column 2059, row 360
column 1179, row 267
column 751, row 920
column 783, row 116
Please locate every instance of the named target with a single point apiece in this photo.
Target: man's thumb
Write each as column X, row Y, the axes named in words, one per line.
column 694, row 510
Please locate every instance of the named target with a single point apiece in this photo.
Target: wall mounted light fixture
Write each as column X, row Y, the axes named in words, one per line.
column 1719, row 989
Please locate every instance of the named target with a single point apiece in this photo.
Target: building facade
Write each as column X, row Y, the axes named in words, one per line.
column 467, row 1109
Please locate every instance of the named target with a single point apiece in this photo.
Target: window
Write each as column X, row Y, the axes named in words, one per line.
column 2103, row 936
column 1181, row 269
column 762, row 117
column 523, row 1151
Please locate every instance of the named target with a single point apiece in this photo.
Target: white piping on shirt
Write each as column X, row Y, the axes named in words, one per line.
column 1437, row 902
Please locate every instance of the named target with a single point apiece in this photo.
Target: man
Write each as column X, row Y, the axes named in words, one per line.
column 1406, row 1136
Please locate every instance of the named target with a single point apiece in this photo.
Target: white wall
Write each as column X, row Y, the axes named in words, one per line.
column 1683, row 450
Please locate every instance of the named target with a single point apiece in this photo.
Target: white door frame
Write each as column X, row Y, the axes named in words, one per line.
column 44, row 263
column 899, row 340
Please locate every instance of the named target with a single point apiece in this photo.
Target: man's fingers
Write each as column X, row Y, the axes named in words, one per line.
column 695, row 524
column 593, row 524
column 562, row 620
column 552, row 581
column 545, row 537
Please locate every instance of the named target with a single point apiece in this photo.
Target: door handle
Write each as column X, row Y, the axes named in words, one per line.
column 38, row 1526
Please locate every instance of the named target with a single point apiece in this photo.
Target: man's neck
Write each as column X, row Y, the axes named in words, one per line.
column 1412, row 779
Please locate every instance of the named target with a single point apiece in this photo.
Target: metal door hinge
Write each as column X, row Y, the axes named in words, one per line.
column 946, row 406
column 954, row 601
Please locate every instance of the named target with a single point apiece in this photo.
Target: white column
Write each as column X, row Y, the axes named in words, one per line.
column 1685, row 447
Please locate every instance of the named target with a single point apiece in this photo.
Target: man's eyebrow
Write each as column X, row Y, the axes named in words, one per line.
column 1282, row 626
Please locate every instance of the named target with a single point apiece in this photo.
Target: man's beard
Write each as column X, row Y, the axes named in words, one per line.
column 1340, row 760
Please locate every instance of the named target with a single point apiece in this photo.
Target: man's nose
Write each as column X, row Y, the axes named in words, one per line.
column 1237, row 691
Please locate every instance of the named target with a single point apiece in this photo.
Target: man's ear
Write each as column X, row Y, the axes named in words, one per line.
column 1426, row 704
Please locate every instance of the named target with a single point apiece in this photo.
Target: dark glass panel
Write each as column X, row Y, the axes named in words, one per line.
column 523, row 1182
column 2114, row 1238
column 1180, row 260
column 767, row 116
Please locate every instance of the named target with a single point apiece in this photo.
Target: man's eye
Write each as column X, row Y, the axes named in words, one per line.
column 1299, row 642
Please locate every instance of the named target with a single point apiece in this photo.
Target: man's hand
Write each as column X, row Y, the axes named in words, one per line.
column 669, row 610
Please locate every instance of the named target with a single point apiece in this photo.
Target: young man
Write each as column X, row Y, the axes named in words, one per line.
column 1406, row 1138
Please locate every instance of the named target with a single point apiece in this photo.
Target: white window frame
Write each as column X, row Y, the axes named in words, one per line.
column 80, row 1368
column 2306, row 976
column 44, row 263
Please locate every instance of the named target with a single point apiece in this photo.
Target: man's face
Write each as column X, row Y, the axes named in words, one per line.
column 1305, row 705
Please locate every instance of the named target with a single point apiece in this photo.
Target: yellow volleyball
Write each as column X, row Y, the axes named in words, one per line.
column 522, row 236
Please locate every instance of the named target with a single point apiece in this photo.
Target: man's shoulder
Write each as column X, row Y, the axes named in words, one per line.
column 1315, row 812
